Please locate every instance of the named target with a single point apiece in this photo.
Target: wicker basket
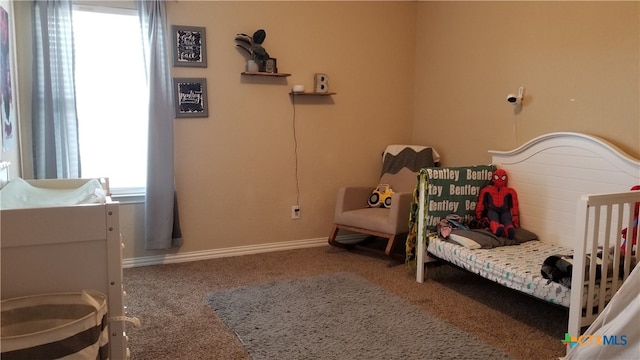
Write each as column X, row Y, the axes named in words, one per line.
column 55, row 326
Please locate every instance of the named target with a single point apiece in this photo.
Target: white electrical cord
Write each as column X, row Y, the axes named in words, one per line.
column 295, row 150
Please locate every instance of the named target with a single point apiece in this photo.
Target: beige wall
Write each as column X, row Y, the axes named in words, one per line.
column 235, row 171
column 577, row 60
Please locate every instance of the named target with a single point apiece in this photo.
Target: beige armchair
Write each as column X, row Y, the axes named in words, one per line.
column 399, row 170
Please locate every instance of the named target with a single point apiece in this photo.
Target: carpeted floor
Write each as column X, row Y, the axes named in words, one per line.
column 339, row 316
column 178, row 323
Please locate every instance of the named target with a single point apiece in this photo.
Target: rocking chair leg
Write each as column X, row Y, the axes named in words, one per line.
column 396, row 258
column 332, row 238
column 390, row 244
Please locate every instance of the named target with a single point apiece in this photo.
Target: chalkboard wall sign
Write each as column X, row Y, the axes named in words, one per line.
column 189, row 46
column 190, row 97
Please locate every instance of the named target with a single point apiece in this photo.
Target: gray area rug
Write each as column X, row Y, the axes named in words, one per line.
column 339, row 316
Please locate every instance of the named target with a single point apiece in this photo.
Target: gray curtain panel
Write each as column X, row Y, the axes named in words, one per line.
column 162, row 227
column 56, row 146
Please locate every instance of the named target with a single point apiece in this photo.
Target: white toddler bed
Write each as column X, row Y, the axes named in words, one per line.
column 556, row 177
column 49, row 248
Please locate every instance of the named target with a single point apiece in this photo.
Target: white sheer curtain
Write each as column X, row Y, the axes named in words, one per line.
column 56, row 149
column 162, row 227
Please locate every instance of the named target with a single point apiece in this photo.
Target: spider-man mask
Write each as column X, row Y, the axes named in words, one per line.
column 500, row 178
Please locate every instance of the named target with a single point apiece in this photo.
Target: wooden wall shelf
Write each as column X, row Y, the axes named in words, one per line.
column 260, row 73
column 312, row 93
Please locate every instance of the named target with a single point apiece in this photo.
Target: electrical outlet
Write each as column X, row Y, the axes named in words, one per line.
column 295, row 212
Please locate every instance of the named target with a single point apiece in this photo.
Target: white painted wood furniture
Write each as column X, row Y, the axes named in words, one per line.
column 65, row 249
column 573, row 191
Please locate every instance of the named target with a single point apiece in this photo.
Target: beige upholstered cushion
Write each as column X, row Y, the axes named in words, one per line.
column 351, row 212
column 399, row 169
column 403, row 181
column 374, row 219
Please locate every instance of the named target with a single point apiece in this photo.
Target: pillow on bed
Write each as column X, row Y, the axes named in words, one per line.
column 524, row 235
column 454, row 190
column 463, row 240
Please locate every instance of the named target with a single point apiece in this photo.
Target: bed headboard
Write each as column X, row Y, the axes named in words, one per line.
column 552, row 171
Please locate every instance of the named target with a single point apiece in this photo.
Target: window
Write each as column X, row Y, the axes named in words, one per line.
column 111, row 96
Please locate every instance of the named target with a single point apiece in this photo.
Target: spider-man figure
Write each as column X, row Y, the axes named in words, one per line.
column 499, row 204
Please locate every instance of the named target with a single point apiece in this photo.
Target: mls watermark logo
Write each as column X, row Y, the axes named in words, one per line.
column 594, row 340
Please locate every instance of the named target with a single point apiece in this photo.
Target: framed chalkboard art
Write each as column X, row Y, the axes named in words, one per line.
column 190, row 97
column 189, row 46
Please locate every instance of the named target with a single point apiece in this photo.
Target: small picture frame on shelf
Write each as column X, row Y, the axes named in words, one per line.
column 271, row 65
column 190, row 97
column 189, row 46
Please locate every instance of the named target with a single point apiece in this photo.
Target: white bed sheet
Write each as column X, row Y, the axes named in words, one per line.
column 19, row 194
column 516, row 266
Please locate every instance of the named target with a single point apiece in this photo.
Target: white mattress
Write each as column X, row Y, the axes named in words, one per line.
column 516, row 267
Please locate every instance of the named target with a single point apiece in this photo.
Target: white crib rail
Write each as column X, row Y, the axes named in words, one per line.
column 600, row 219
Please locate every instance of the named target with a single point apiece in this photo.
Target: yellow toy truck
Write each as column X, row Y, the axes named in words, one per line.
column 381, row 196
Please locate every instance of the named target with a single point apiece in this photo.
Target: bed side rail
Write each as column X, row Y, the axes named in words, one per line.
column 600, row 220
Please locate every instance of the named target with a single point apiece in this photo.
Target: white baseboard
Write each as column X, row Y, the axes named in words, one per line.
column 233, row 251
